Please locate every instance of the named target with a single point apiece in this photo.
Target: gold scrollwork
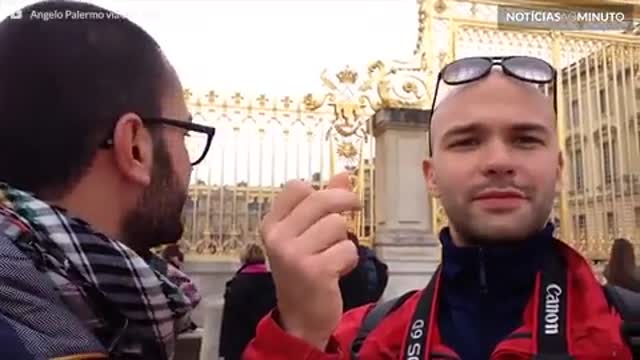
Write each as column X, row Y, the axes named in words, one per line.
column 441, row 219
column 440, row 6
column 347, row 150
column 410, row 92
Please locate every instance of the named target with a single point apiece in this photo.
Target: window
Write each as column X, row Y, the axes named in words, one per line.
column 579, row 170
column 603, row 101
column 610, row 224
column 582, row 226
column 609, row 161
column 575, row 113
column 637, row 216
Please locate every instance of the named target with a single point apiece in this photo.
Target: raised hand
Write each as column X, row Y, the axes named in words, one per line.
column 305, row 238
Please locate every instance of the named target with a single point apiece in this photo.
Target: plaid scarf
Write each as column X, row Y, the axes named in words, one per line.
column 137, row 311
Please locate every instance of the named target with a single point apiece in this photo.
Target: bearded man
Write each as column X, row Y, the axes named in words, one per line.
column 94, row 170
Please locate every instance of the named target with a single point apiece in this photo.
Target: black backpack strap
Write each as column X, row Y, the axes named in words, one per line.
column 373, row 317
column 627, row 303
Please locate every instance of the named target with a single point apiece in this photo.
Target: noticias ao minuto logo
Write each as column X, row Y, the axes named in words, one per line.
column 596, row 19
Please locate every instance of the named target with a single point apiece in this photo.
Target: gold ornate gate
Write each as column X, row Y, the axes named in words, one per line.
column 261, row 142
column 264, row 141
column 598, row 109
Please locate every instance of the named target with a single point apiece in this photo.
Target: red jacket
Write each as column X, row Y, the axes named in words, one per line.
column 593, row 330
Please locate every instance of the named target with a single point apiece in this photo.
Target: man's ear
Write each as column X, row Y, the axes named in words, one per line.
column 429, row 177
column 133, row 149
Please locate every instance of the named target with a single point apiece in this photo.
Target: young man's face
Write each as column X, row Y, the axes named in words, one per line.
column 496, row 163
column 156, row 219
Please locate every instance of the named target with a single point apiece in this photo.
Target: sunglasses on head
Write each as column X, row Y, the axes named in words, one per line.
column 524, row 68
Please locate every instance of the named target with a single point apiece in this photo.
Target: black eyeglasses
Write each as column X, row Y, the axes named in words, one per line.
column 466, row 70
column 198, row 140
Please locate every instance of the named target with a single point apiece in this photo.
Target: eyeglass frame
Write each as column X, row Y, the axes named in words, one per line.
column 187, row 125
column 495, row 60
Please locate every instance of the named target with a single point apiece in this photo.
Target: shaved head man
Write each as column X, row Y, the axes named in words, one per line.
column 496, row 164
column 505, row 288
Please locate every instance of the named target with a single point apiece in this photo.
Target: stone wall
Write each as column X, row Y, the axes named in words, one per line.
column 210, row 278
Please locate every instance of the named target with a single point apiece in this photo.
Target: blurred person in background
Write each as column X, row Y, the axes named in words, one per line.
column 249, row 296
column 366, row 282
column 172, row 254
column 621, row 268
column 170, row 264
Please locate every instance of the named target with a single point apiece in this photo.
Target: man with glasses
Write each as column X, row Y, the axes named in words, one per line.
column 96, row 151
column 506, row 289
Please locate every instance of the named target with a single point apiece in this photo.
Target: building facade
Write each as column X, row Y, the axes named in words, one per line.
column 601, row 93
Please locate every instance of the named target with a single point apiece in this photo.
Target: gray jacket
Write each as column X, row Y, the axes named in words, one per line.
column 30, row 303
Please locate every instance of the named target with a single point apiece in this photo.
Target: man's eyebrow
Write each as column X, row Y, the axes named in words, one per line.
column 530, row 127
column 459, row 130
column 462, row 130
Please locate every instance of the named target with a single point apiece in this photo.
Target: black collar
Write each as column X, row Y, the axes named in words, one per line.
column 492, row 268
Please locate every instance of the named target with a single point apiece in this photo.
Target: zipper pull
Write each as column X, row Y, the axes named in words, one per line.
column 484, row 289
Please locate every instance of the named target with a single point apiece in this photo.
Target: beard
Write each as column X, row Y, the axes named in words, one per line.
column 478, row 230
column 157, row 217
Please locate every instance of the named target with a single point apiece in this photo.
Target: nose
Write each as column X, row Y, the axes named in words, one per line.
column 498, row 160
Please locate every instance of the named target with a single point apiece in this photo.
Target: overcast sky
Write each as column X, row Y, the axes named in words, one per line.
column 276, row 47
column 272, row 46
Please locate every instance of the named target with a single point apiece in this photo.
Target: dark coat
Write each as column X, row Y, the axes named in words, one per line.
column 249, row 296
column 11, row 346
column 366, row 282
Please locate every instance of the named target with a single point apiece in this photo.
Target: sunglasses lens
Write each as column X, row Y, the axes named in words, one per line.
column 465, row 70
column 531, row 69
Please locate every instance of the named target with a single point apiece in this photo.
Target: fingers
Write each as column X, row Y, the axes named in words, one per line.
column 340, row 258
column 340, row 181
column 315, row 207
column 299, row 206
column 325, row 233
column 292, row 194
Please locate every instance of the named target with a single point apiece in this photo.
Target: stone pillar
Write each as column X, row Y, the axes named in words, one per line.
column 404, row 236
column 210, row 343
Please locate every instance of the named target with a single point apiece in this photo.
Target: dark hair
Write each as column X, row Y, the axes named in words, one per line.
column 353, row 237
column 620, row 270
column 172, row 250
column 63, row 85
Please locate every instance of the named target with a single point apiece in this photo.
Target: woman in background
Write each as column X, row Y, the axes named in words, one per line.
column 249, row 296
column 621, row 269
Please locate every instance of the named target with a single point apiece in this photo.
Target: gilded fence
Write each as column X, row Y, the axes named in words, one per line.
column 598, row 106
column 264, row 141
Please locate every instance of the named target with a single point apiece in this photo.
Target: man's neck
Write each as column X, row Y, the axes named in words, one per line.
column 459, row 241
column 96, row 207
column 456, row 238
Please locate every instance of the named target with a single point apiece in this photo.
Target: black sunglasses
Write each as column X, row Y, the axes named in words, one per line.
column 525, row 68
column 200, row 136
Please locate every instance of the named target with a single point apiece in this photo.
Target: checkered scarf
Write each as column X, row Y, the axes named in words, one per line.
column 140, row 308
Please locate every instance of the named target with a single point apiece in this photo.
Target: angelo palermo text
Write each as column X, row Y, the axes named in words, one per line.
column 72, row 15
